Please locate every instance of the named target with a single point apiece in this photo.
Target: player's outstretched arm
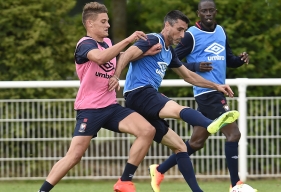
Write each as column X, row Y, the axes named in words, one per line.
column 102, row 56
column 130, row 54
column 199, row 81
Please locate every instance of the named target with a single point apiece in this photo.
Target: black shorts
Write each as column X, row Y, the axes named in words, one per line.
column 90, row 121
column 148, row 102
column 212, row 104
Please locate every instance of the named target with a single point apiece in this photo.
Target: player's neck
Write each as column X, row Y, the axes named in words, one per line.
column 167, row 44
column 95, row 37
column 207, row 28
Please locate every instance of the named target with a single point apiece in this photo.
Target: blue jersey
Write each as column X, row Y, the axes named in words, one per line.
column 150, row 70
column 209, row 47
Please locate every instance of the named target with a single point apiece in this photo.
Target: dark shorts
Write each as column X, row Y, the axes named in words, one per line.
column 148, row 102
column 90, row 121
column 212, row 104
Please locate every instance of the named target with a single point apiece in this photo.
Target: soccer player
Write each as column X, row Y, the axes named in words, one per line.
column 208, row 53
column 141, row 91
column 96, row 106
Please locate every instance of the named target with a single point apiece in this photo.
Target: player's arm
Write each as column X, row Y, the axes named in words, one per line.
column 199, row 81
column 152, row 51
column 131, row 53
column 135, row 52
column 102, row 56
column 232, row 60
column 194, row 78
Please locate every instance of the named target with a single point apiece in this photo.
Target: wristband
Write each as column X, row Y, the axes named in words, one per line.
column 116, row 77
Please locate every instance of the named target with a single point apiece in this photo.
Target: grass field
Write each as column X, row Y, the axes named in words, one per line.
column 142, row 186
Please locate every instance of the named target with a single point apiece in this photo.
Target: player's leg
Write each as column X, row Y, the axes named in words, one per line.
column 196, row 142
column 127, row 121
column 148, row 102
column 195, row 118
column 144, row 132
column 212, row 105
column 169, row 138
column 232, row 134
column 77, row 148
column 88, row 124
column 174, row 142
column 199, row 135
column 151, row 104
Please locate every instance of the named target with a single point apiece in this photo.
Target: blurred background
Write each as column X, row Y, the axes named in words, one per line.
column 38, row 39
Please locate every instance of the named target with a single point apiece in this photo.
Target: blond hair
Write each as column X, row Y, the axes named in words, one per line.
column 91, row 10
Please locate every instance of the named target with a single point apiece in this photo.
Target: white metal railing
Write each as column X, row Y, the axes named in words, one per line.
column 241, row 100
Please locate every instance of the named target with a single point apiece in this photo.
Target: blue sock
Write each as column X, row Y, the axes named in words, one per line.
column 194, row 118
column 231, row 154
column 46, row 187
column 129, row 172
column 167, row 164
column 172, row 161
column 185, row 167
column 190, row 151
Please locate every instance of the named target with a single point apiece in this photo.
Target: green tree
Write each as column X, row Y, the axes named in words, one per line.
column 38, row 38
column 38, row 42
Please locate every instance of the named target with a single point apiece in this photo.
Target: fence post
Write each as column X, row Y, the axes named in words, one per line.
column 242, row 124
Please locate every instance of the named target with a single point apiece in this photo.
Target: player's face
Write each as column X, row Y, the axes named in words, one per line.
column 207, row 13
column 176, row 32
column 100, row 25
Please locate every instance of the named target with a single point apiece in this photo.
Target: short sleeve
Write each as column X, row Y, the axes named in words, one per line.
column 146, row 45
column 83, row 49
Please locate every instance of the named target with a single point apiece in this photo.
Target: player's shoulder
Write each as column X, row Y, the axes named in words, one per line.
column 153, row 36
column 219, row 27
column 86, row 41
column 152, row 39
column 85, row 45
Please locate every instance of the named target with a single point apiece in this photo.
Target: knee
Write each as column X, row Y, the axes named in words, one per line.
column 181, row 147
column 233, row 137
column 74, row 157
column 147, row 132
column 197, row 145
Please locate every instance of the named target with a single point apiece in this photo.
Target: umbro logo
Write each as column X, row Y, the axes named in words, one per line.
column 107, row 66
column 162, row 70
column 215, row 48
column 234, row 157
column 163, row 66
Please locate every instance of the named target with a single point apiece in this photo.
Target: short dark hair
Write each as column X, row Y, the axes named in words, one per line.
column 174, row 15
column 201, row 1
column 91, row 10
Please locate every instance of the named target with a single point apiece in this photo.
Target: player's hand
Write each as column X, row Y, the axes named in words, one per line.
column 225, row 89
column 153, row 50
column 245, row 57
column 205, row 67
column 136, row 36
column 113, row 84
